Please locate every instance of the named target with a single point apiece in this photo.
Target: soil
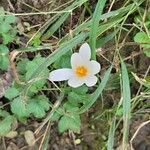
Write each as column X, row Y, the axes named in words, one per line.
column 94, row 129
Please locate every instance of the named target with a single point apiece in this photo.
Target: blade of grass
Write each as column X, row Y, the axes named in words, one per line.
column 93, row 97
column 101, row 41
column 94, row 27
column 86, row 25
column 61, row 20
column 55, row 26
column 126, row 94
column 57, row 20
column 111, row 135
column 33, row 48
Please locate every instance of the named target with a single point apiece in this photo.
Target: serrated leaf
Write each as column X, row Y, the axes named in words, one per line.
column 19, row 107
column 76, row 98
column 4, row 27
column 5, row 125
column 7, row 38
column 11, row 93
column 70, row 121
column 70, row 107
column 3, row 50
column 141, row 37
column 10, row 19
column 57, row 114
column 39, row 82
column 144, row 40
column 33, row 65
column 81, row 90
column 38, row 106
column 63, row 61
column 3, row 113
column 21, row 66
column 4, row 62
column 147, row 52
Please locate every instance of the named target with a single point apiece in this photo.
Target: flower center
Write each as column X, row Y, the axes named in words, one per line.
column 81, row 71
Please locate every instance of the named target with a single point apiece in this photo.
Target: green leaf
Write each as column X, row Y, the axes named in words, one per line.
column 36, row 41
column 126, row 93
column 141, row 37
column 19, row 107
column 2, row 13
column 144, row 40
column 38, row 82
column 11, row 93
column 80, row 90
column 4, row 27
column 110, row 142
column 5, row 125
column 147, row 52
column 93, row 97
column 10, row 19
column 70, row 121
column 95, row 24
column 33, row 65
column 57, row 20
column 21, row 66
column 38, row 105
column 4, row 62
column 76, row 98
column 57, row 114
column 7, row 38
column 70, row 107
column 55, row 26
column 3, row 50
column 63, row 61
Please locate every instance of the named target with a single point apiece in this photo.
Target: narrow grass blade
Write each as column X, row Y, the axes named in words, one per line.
column 110, row 143
column 55, row 26
column 126, row 94
column 100, row 42
column 95, row 24
column 97, row 92
column 33, row 48
column 57, row 20
column 85, row 26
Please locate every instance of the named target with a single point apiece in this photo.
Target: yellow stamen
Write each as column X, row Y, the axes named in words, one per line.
column 81, row 71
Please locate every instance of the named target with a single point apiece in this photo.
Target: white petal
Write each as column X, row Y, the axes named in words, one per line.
column 75, row 82
column 91, row 81
column 94, row 67
column 85, row 51
column 76, row 60
column 60, row 74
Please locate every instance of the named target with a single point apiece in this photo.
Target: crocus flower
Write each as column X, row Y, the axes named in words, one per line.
column 83, row 69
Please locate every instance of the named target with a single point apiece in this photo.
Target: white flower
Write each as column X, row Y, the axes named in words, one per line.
column 83, row 69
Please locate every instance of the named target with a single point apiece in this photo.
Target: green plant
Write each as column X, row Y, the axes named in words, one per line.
column 7, row 35
column 144, row 40
column 33, row 95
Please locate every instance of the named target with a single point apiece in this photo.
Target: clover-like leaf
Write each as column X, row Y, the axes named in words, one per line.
column 11, row 93
column 38, row 106
column 19, row 107
column 70, row 121
column 5, row 123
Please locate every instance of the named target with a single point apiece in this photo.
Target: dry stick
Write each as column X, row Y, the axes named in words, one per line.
column 55, row 106
column 12, row 57
column 47, row 128
column 135, row 134
column 11, row 6
column 141, row 84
